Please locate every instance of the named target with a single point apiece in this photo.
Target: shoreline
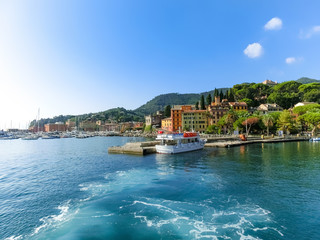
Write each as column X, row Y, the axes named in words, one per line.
column 148, row 147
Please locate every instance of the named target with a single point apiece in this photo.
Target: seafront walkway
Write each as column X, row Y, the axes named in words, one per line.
column 148, row 147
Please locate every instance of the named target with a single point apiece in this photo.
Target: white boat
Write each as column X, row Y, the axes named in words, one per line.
column 30, row 137
column 315, row 139
column 179, row 142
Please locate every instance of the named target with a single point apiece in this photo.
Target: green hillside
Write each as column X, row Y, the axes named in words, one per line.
column 305, row 80
column 159, row 102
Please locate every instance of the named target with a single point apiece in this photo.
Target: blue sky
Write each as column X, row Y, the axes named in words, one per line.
column 74, row 57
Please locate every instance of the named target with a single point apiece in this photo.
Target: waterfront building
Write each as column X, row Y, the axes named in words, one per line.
column 88, row 126
column 217, row 110
column 268, row 108
column 36, row 129
column 166, row 124
column 111, row 127
column 154, row 119
column 52, row 127
column 176, row 116
column 196, row 120
column 70, row 125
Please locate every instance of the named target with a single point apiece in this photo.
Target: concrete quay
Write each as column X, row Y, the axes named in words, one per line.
column 144, row 148
column 135, row 148
column 234, row 143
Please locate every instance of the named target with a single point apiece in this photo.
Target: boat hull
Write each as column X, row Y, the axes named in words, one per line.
column 181, row 148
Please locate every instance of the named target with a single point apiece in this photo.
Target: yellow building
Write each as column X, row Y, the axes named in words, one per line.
column 239, row 106
column 196, row 120
column 166, row 124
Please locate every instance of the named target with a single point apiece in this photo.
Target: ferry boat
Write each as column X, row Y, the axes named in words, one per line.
column 179, row 142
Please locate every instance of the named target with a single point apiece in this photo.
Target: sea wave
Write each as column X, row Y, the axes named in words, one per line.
column 242, row 221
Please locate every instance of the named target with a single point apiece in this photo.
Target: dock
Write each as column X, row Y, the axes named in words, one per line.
column 144, row 148
column 235, row 143
column 135, row 148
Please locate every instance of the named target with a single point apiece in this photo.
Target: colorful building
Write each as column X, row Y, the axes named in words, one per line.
column 53, row 127
column 166, row 124
column 217, row 110
column 194, row 120
column 154, row 119
column 176, row 116
column 239, row 106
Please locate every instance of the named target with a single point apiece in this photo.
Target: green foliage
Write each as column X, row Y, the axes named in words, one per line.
column 305, row 80
column 197, row 105
column 209, row 99
column 159, row 102
column 248, row 101
column 167, row 111
column 148, row 128
column 212, row 129
column 285, row 121
column 202, row 104
column 306, row 108
column 285, row 94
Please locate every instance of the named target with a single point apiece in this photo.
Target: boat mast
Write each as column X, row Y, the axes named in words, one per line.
column 38, row 119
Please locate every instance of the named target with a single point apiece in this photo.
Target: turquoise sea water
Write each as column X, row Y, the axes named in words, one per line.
column 73, row 189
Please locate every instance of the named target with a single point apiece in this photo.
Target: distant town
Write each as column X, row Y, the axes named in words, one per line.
column 245, row 108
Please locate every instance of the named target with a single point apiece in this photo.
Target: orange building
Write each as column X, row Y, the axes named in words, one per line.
column 176, row 116
column 52, row 127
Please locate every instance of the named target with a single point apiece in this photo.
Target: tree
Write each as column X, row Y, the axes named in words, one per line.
column 215, row 93
column 231, row 96
column 221, row 95
column 209, row 99
column 312, row 118
column 197, row 105
column 310, row 92
column 167, row 111
column 267, row 121
column 285, row 121
column 202, row 105
column 285, row 94
column 249, row 122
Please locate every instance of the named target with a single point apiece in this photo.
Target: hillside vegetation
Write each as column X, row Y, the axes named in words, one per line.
column 285, row 94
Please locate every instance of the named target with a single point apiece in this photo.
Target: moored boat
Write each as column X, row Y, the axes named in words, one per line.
column 179, row 142
column 315, row 139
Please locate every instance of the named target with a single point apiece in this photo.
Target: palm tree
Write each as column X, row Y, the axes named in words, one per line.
column 268, row 122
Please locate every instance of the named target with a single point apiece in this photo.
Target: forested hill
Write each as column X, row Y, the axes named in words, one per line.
column 305, row 80
column 159, row 102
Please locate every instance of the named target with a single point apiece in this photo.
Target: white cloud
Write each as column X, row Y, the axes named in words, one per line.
column 310, row 32
column 253, row 50
column 290, row 60
column 274, row 24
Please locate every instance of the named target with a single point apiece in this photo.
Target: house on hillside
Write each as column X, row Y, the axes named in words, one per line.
column 267, row 108
column 303, row 104
column 269, row 82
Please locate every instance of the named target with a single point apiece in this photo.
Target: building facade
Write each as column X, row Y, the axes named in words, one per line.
column 166, row 124
column 194, row 120
column 176, row 116
column 217, row 110
column 267, row 108
column 154, row 119
column 53, row 127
